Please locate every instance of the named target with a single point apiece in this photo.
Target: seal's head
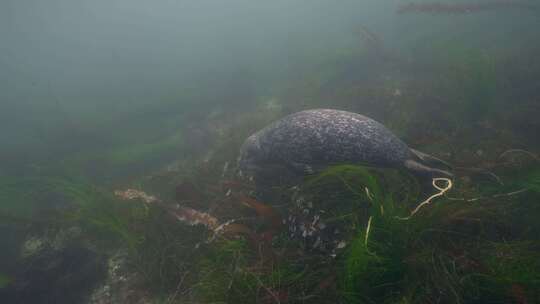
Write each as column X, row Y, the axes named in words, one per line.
column 251, row 155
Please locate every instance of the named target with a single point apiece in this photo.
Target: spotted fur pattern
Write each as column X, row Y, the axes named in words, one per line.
column 322, row 137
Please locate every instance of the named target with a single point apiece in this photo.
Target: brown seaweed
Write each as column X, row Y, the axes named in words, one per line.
column 266, row 212
column 183, row 214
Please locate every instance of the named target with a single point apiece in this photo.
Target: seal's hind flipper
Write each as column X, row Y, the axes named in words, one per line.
column 423, row 170
column 430, row 160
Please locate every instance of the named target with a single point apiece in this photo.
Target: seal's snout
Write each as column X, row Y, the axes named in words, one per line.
column 250, row 156
column 247, row 165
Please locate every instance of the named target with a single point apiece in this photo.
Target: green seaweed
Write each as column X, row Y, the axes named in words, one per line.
column 167, row 252
column 452, row 250
column 516, row 262
column 223, row 276
column 532, row 181
column 5, row 280
column 231, row 272
column 373, row 265
column 79, row 203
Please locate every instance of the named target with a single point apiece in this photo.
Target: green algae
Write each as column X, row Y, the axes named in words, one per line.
column 5, row 280
column 68, row 202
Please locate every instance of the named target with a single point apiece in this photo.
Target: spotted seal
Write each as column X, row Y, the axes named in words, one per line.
column 311, row 140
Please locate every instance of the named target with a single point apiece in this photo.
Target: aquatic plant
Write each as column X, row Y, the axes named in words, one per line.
column 513, row 263
column 232, row 272
column 167, row 254
column 439, row 254
column 223, row 275
column 187, row 234
column 5, row 280
column 103, row 217
column 373, row 263
column 532, row 181
column 70, row 201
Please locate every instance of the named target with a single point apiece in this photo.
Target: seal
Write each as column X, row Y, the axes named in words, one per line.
column 309, row 141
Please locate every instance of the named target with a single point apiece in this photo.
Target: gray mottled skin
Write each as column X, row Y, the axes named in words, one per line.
column 314, row 139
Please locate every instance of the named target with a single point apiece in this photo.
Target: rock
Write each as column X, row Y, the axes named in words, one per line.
column 48, row 275
column 122, row 285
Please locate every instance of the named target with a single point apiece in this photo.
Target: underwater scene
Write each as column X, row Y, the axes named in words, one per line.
column 272, row 152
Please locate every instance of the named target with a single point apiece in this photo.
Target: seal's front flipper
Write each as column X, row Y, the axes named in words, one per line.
column 301, row 169
column 430, row 160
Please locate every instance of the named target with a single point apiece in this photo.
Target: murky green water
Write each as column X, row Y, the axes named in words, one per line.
column 121, row 124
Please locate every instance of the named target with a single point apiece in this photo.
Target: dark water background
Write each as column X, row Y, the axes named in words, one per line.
column 104, row 95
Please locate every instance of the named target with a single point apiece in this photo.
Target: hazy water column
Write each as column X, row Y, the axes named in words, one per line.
column 70, row 69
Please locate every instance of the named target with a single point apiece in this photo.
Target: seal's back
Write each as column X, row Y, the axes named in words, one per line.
column 322, row 137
